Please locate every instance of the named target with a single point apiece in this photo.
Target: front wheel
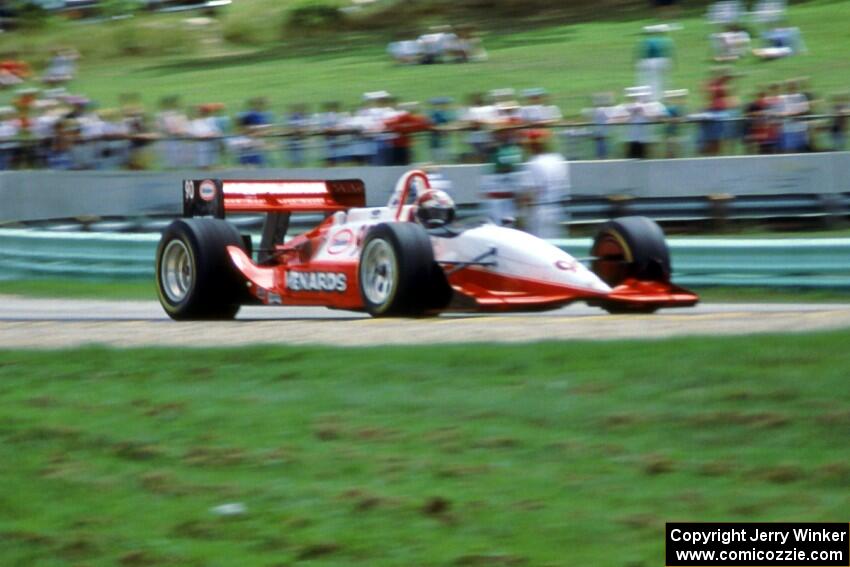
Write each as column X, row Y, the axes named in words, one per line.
column 397, row 275
column 630, row 248
column 194, row 274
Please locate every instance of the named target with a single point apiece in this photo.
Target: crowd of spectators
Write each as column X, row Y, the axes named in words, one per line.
column 52, row 128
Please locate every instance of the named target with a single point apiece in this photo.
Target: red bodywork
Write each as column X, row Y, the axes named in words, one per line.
column 476, row 288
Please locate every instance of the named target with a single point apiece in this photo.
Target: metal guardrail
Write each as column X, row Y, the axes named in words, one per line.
column 810, row 263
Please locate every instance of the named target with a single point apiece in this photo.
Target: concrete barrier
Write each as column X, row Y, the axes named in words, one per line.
column 37, row 195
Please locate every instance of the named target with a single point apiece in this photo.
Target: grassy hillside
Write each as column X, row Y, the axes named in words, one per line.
column 160, row 55
column 551, row 454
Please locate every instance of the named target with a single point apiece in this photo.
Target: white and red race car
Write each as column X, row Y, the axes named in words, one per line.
column 405, row 259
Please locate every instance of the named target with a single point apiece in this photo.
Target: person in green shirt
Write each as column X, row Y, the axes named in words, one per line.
column 654, row 60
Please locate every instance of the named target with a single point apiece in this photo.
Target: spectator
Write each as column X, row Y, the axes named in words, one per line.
column 675, row 109
column 298, row 122
column 61, row 142
column 500, row 186
column 721, row 104
column 436, row 45
column 479, row 115
column 62, row 67
column 545, row 183
column 9, row 128
column 838, row 127
column 653, row 62
column 506, row 105
column 207, row 137
column 406, row 52
column 468, row 47
column 440, row 116
column 138, row 130
column 402, row 124
column 115, row 152
column 537, row 111
column 730, row 44
column 781, row 42
column 793, row 105
column 254, row 123
column 86, row 152
column 13, row 72
column 760, row 133
column 604, row 113
column 725, row 12
column 375, row 142
column 172, row 125
column 642, row 111
column 331, row 123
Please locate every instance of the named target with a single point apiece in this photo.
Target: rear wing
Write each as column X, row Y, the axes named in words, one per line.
column 215, row 197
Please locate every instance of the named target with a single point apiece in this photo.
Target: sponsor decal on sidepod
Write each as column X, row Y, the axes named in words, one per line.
column 341, row 241
column 316, row 281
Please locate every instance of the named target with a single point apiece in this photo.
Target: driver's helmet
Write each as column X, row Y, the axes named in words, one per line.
column 435, row 208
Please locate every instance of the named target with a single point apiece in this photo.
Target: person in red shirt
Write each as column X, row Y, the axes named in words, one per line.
column 718, row 91
column 403, row 125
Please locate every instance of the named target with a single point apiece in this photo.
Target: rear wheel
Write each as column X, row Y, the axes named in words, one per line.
column 630, row 248
column 397, row 275
column 194, row 275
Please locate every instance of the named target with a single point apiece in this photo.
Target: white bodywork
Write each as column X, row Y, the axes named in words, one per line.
column 517, row 254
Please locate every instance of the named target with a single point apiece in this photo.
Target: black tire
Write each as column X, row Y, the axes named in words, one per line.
column 412, row 283
column 209, row 286
column 630, row 247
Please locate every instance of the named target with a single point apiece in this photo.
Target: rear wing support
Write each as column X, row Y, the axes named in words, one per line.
column 274, row 232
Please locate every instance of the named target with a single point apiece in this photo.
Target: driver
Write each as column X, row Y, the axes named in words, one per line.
column 434, row 208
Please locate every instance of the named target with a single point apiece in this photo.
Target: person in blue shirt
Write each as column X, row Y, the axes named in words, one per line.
column 440, row 115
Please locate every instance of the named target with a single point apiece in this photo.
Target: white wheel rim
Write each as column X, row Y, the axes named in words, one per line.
column 378, row 272
column 176, row 271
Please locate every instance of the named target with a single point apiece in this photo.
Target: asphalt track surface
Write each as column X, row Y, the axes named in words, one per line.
column 60, row 323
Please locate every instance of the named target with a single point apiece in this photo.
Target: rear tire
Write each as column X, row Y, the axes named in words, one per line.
column 194, row 274
column 397, row 275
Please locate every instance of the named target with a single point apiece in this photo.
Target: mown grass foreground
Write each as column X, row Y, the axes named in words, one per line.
column 549, row 454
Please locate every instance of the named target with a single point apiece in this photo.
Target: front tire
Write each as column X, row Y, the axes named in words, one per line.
column 397, row 275
column 630, row 248
column 194, row 274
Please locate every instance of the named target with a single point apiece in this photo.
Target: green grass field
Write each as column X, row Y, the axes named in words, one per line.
column 572, row 61
column 549, row 454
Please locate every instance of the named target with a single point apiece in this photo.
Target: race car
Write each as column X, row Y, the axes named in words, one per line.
column 409, row 258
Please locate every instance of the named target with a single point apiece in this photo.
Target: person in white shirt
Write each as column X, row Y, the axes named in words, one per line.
column 8, row 132
column 478, row 116
column 546, row 184
column 642, row 112
column 331, row 122
column 790, row 106
column 172, row 124
column 207, row 145
column 536, row 110
column 406, row 52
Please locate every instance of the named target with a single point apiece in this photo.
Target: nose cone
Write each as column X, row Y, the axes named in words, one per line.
column 521, row 255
